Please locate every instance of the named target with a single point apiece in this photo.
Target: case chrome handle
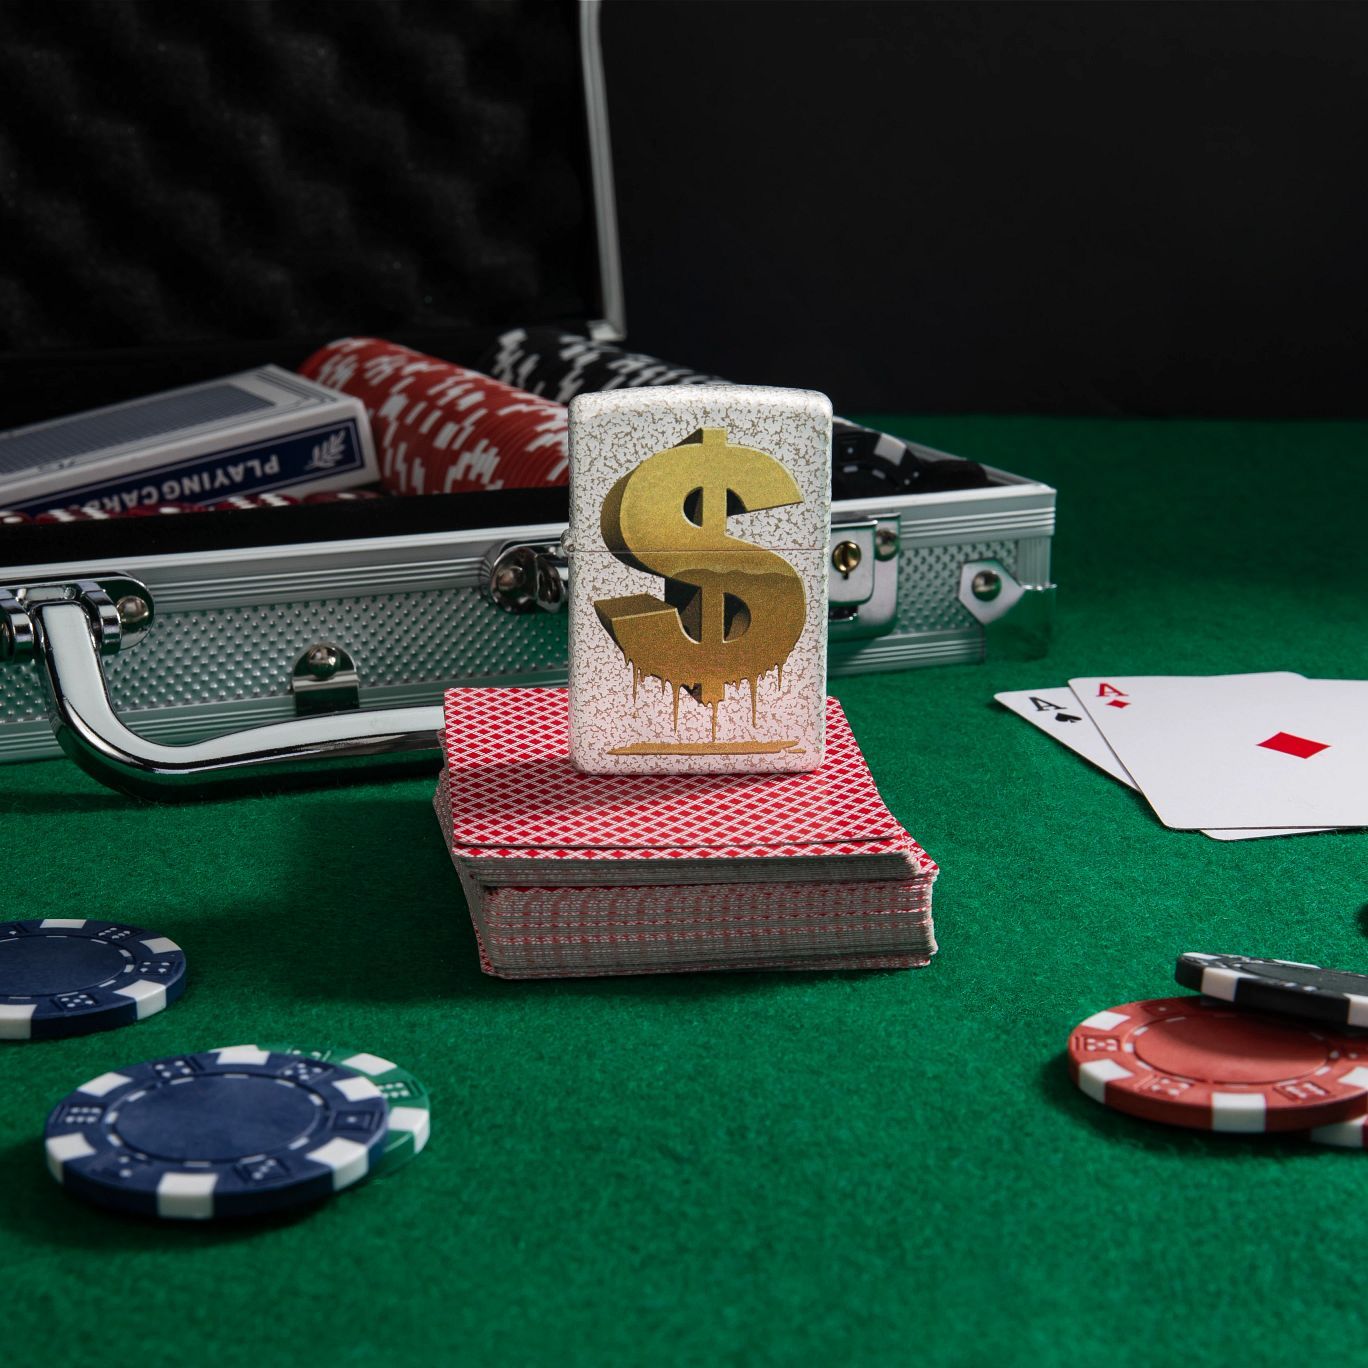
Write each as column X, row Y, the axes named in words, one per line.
column 66, row 642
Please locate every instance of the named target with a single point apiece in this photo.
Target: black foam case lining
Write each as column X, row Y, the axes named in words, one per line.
column 192, row 187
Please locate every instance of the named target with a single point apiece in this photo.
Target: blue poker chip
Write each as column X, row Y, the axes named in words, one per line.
column 67, row 976
column 233, row 1132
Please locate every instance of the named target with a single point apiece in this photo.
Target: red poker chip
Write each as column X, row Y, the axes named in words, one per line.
column 533, row 470
column 341, row 496
column 240, row 501
column 1343, row 1134
column 546, row 452
column 442, row 428
column 73, row 515
column 531, row 441
column 1188, row 1061
column 521, row 422
column 158, row 509
column 10, row 517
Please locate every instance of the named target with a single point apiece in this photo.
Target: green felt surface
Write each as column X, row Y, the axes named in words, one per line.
column 880, row 1168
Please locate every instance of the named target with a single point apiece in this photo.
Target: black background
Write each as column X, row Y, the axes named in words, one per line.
column 1096, row 208
column 1091, row 207
column 188, row 190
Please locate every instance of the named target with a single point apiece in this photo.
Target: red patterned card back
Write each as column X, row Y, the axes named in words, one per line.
column 511, row 786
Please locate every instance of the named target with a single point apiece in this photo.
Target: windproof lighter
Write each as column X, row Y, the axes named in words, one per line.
column 697, row 546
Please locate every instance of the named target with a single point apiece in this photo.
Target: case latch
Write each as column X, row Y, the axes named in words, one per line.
column 862, row 580
column 324, row 679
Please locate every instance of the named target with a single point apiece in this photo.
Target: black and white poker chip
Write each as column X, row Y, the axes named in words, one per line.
column 865, row 463
column 560, row 365
column 1287, row 986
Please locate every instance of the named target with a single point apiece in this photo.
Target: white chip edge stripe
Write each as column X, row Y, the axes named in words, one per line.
column 16, row 1021
column 70, row 923
column 1346, row 1134
column 417, row 1121
column 356, row 1089
column 161, row 945
column 149, row 995
column 1221, row 983
column 242, row 1054
column 349, row 1161
column 1240, row 1113
column 368, row 1064
column 64, row 1149
column 186, row 1196
column 1202, row 955
column 1356, row 1077
column 1105, row 1021
column 105, row 1083
column 1093, row 1078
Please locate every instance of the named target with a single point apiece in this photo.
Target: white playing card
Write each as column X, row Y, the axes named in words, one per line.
column 1058, row 713
column 1238, row 750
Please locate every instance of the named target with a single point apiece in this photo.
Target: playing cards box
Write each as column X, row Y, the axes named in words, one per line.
column 249, row 433
column 406, row 596
column 697, row 548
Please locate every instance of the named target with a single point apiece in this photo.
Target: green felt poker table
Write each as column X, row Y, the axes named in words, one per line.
column 852, row 1168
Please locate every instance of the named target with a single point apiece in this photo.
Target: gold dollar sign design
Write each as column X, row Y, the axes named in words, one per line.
column 732, row 611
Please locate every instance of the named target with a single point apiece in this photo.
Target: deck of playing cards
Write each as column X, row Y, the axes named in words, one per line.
column 573, row 874
column 1235, row 756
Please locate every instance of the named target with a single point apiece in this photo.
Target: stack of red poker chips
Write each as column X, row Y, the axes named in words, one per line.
column 440, row 428
column 238, row 502
column 74, row 514
column 235, row 502
column 94, row 513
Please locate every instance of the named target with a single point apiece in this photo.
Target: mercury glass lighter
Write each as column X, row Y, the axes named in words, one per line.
column 699, row 523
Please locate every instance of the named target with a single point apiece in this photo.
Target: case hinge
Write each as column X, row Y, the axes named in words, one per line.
column 522, row 579
column 118, row 610
column 1017, row 619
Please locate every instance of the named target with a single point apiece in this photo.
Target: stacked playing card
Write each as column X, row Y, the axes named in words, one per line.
column 572, row 874
column 1234, row 756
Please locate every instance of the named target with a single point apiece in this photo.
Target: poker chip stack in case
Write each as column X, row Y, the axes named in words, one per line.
column 440, row 428
column 561, row 365
column 570, row 874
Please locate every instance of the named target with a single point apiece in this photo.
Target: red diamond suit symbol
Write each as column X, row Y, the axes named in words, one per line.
column 1299, row 746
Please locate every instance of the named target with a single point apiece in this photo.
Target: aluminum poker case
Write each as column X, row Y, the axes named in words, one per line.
column 417, row 595
column 262, row 616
